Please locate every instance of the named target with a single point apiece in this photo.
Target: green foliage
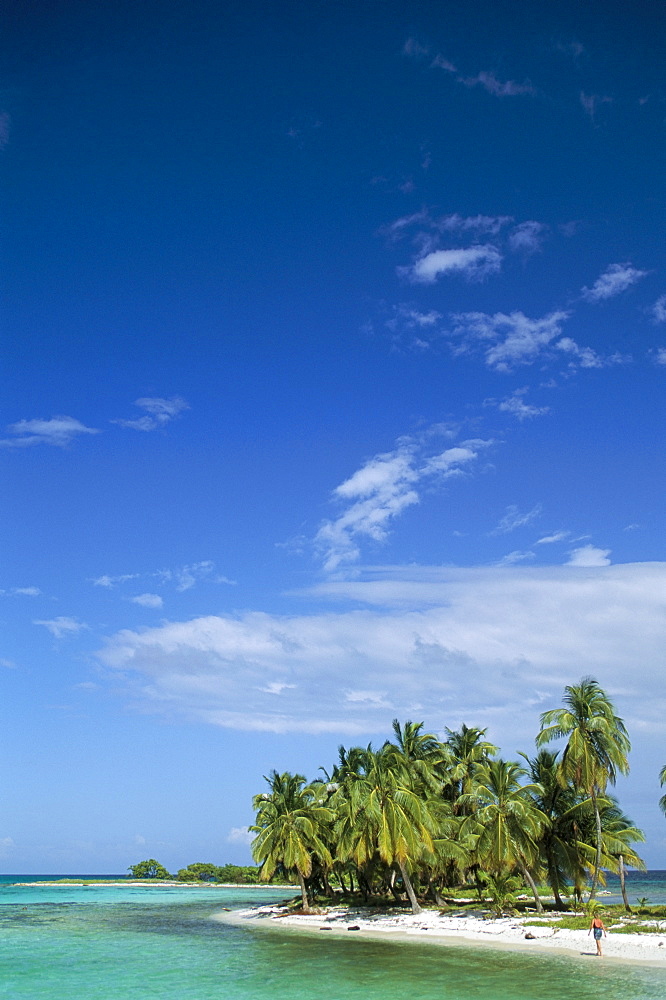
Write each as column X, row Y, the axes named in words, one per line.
column 149, row 869
column 502, row 889
column 418, row 816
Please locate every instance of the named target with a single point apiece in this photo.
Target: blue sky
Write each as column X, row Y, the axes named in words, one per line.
column 335, row 353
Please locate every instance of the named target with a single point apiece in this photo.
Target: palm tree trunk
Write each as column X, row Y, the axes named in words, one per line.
column 391, row 885
column 410, row 888
column 552, row 880
column 623, row 886
column 597, row 863
column 530, row 881
column 304, row 895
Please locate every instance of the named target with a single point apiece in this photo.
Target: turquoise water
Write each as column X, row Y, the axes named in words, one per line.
column 133, row 943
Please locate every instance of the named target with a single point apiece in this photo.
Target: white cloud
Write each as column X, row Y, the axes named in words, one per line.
column 660, row 356
column 276, row 687
column 514, row 519
column 384, row 487
column 488, row 646
column 615, row 279
column 557, row 536
column 58, row 431
column 21, row 592
column 112, row 581
column 527, row 237
column 158, row 412
column 515, row 557
column 491, row 224
column 515, row 405
column 62, row 626
column 7, row 664
column 658, row 311
column 589, row 555
column 148, row 600
column 512, row 339
column 472, row 262
column 240, row 835
column 187, row 576
column 499, row 88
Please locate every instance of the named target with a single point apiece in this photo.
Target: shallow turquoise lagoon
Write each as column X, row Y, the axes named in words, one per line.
column 107, row 944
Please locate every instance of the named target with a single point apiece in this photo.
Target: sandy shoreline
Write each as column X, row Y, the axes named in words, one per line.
column 468, row 929
column 155, row 885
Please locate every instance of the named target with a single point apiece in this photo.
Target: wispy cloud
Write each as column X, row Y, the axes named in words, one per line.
column 473, row 263
column 113, row 581
column 240, row 835
column 658, row 310
column 413, row 327
column 58, row 431
column 62, row 626
column 158, row 413
column 592, row 102
column 660, row 356
column 512, row 339
column 556, row 536
column 185, row 577
column 384, row 487
column 615, row 279
column 515, row 405
column 485, row 78
column 148, row 600
column 589, row 556
column 527, row 237
column 20, row 592
column 181, row 577
column 498, row 88
column 415, row 49
column 513, row 519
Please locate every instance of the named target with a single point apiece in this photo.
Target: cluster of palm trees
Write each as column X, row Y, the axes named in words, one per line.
column 419, row 815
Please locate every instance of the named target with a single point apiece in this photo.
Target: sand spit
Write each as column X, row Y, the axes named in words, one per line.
column 102, row 883
column 448, row 929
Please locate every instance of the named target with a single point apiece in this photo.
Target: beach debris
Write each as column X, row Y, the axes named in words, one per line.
column 530, row 937
column 354, row 927
column 325, row 928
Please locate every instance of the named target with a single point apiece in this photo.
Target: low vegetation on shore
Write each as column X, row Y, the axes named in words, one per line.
column 419, row 817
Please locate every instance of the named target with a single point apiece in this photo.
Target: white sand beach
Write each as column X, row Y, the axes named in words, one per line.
column 469, row 929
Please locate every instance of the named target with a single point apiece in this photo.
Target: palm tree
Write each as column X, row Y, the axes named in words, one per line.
column 597, row 746
column 561, row 841
column 505, row 819
column 290, row 826
column 619, row 834
column 379, row 812
column 468, row 751
column 662, row 782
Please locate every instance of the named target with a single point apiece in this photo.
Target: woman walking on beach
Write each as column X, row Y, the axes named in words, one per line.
column 597, row 927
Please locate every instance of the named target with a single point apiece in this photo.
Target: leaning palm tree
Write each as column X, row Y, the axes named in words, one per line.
column 291, row 824
column 596, row 749
column 506, row 820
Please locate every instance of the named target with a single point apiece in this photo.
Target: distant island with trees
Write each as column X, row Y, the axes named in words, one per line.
column 202, row 872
